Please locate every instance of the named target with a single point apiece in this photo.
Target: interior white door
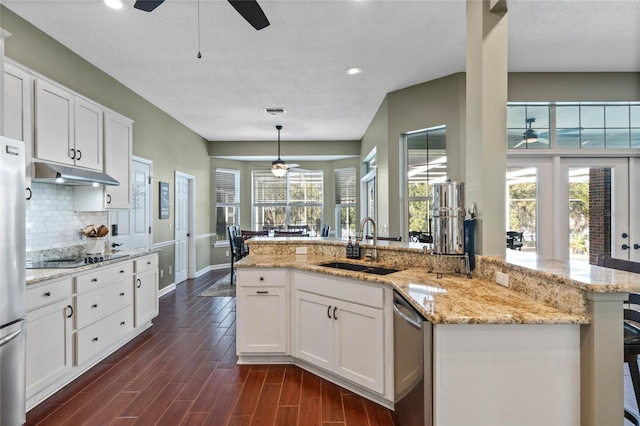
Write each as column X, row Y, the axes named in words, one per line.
column 182, row 228
column 634, row 213
column 140, row 212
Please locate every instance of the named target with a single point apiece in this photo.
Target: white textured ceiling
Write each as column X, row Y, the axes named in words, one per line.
column 298, row 62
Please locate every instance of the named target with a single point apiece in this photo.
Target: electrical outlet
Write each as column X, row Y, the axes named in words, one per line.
column 161, row 273
column 502, row 278
column 170, row 269
column 226, row 253
column 301, row 250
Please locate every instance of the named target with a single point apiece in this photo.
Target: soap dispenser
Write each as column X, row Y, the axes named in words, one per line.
column 356, row 253
column 349, row 249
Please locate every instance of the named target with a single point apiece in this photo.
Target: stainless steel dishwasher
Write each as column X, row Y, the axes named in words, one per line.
column 412, row 364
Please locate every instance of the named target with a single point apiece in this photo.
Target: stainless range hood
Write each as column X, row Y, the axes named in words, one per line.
column 67, row 175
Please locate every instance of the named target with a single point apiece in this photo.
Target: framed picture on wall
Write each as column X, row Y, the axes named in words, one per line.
column 164, row 200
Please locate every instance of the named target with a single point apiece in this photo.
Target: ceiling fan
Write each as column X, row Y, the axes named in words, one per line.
column 250, row 10
column 279, row 167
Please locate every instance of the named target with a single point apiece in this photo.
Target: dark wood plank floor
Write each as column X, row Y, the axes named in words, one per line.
column 182, row 371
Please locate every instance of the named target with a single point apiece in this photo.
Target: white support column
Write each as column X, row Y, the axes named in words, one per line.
column 485, row 147
column 601, row 361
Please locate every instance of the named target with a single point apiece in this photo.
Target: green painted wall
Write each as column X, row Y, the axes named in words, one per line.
column 156, row 135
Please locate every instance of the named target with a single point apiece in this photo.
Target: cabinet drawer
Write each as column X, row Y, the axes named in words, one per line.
column 45, row 294
column 146, row 263
column 336, row 288
column 103, row 275
column 261, row 277
column 94, row 305
column 102, row 334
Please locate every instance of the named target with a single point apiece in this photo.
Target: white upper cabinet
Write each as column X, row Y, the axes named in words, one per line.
column 88, row 134
column 68, row 127
column 54, row 124
column 18, row 112
column 118, row 145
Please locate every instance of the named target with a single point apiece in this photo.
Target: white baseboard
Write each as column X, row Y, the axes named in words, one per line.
column 166, row 290
column 211, row 268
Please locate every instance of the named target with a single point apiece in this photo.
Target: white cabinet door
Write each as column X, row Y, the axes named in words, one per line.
column 314, row 329
column 117, row 148
column 262, row 320
column 359, row 345
column 54, row 123
column 18, row 112
column 88, row 134
column 49, row 345
column 145, row 296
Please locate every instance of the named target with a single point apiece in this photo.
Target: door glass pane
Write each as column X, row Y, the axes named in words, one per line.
column 589, row 213
column 522, row 196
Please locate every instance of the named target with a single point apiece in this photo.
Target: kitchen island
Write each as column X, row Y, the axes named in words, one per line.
column 578, row 309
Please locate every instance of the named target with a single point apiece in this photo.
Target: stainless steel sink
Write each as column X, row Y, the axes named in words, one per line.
column 360, row 268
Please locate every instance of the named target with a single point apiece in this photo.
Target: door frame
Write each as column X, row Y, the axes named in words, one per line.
column 553, row 193
column 191, row 220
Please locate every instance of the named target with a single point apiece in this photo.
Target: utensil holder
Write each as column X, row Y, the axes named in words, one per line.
column 95, row 245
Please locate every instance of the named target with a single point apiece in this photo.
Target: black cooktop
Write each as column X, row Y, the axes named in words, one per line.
column 72, row 262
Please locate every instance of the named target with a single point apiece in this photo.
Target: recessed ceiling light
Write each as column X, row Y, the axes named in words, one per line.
column 115, row 4
column 353, row 70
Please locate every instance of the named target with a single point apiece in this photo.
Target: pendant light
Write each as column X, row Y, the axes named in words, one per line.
column 279, row 167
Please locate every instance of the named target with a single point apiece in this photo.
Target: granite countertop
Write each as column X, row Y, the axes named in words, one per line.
column 452, row 299
column 34, row 276
column 579, row 275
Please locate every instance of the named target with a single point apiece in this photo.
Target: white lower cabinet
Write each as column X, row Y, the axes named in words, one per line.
column 49, row 328
column 73, row 323
column 145, row 287
column 262, row 320
column 102, row 334
column 341, row 336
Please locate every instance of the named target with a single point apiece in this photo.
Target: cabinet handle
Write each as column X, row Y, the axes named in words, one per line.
column 71, row 313
column 625, row 247
column 122, row 271
column 122, row 323
column 149, row 263
column 72, row 153
column 79, row 154
column 94, row 280
column 30, row 193
column 95, row 339
column 261, row 278
column 47, row 294
column 122, row 294
column 329, row 311
column 636, row 246
column 334, row 312
column 95, row 305
column 108, row 199
column 262, row 292
column 139, row 283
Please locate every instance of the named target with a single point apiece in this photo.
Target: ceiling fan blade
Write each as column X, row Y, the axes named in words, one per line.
column 251, row 11
column 147, row 5
column 292, row 165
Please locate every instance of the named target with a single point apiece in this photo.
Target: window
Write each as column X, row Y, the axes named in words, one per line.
column 426, row 159
column 573, row 126
column 293, row 200
column 227, row 201
column 346, row 202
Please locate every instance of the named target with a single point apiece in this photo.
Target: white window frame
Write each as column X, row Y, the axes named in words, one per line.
column 340, row 206
column 224, row 240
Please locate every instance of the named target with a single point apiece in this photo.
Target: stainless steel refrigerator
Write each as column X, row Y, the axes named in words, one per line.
column 12, row 283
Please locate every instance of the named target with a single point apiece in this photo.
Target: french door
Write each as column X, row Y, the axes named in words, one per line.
column 576, row 208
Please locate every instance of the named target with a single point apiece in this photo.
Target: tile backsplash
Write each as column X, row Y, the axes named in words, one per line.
column 52, row 222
